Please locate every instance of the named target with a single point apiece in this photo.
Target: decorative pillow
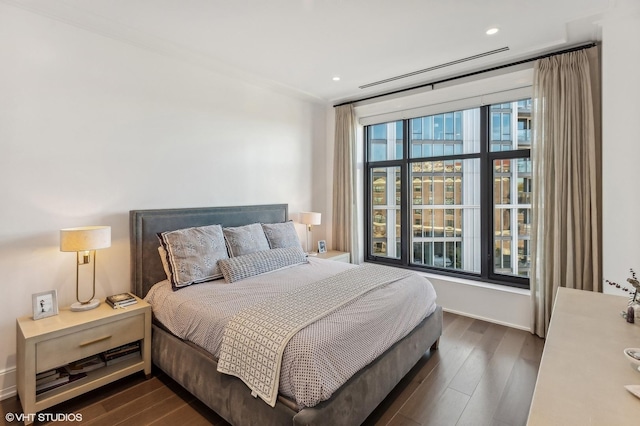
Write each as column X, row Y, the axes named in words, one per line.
column 281, row 235
column 241, row 267
column 193, row 254
column 246, row 239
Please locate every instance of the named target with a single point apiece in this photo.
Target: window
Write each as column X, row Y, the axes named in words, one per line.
column 445, row 188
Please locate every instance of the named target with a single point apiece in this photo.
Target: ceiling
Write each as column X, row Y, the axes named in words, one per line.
column 299, row 45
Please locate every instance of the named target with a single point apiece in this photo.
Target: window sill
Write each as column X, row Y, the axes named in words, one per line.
column 457, row 279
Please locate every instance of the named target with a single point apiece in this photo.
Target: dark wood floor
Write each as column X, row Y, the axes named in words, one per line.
column 482, row 374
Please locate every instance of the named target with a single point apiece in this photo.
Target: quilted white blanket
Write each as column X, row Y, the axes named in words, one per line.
column 255, row 339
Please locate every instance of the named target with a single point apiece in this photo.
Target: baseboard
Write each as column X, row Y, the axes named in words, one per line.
column 491, row 320
column 8, row 386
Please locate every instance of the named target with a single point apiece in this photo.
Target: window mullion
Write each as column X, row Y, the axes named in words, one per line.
column 406, row 197
column 486, row 195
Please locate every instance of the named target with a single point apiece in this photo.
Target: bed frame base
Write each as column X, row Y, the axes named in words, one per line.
column 196, row 371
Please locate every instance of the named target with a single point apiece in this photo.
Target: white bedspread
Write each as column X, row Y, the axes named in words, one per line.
column 324, row 355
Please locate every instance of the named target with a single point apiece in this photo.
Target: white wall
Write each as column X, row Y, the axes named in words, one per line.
column 621, row 144
column 91, row 128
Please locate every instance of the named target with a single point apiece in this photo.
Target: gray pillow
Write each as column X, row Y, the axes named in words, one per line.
column 245, row 239
column 193, row 254
column 281, row 235
column 241, row 267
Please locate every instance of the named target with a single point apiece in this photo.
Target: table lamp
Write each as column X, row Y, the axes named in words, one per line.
column 85, row 241
column 310, row 219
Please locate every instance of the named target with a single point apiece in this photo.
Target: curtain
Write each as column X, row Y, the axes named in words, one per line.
column 345, row 235
column 566, row 151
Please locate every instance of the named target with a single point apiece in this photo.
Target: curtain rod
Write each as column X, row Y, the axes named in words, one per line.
column 498, row 67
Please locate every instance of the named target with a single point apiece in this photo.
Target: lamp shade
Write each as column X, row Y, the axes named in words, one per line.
column 310, row 218
column 85, row 238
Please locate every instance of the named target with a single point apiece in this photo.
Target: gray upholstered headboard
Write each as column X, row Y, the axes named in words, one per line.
column 146, row 267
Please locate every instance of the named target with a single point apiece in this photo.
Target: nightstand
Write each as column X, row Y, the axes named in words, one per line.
column 56, row 341
column 338, row 256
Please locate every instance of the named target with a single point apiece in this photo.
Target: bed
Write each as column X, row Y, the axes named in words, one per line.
column 196, row 369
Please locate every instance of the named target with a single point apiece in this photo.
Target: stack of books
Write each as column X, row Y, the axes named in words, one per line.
column 52, row 379
column 121, row 300
column 121, row 353
column 85, row 365
column 56, row 377
column 48, row 379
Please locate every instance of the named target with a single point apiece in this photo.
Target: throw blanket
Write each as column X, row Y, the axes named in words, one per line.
column 254, row 339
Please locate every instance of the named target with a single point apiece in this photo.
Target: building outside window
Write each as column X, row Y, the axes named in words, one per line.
column 443, row 189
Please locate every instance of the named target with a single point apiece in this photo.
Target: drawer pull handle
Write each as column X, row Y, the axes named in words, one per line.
column 91, row 342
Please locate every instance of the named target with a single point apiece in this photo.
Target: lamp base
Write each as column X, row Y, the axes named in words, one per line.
column 79, row 307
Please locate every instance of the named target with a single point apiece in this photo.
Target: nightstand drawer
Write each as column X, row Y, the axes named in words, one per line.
column 75, row 346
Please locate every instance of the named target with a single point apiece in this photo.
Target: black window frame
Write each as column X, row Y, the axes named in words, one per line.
column 487, row 158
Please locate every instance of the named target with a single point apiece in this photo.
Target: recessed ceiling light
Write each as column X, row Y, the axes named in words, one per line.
column 492, row 31
column 336, row 78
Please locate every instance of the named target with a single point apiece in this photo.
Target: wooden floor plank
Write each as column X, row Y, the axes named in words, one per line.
column 447, row 409
column 98, row 404
column 514, row 406
column 384, row 413
column 447, row 319
column 128, row 409
column 159, row 410
column 454, row 350
column 132, row 393
column 474, row 367
column 455, row 329
column 487, row 395
column 188, row 415
column 400, row 420
column 480, row 326
column 482, row 373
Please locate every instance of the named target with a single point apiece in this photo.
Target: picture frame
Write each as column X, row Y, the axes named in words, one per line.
column 322, row 246
column 45, row 304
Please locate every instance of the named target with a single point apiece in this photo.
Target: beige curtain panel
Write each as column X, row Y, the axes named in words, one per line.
column 345, row 236
column 566, row 238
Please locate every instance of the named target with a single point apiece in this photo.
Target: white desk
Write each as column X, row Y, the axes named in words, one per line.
column 583, row 370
